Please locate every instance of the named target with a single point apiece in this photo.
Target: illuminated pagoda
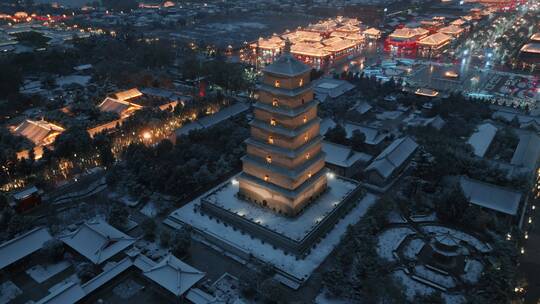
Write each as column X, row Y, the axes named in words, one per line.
column 283, row 168
column 283, row 208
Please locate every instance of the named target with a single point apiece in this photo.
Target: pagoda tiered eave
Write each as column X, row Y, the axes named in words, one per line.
column 286, row 111
column 284, row 131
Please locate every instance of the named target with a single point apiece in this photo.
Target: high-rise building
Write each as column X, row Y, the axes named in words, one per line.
column 283, row 168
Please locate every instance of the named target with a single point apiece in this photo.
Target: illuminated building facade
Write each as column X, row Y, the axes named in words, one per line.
column 405, row 40
column 318, row 45
column 283, row 168
column 433, row 45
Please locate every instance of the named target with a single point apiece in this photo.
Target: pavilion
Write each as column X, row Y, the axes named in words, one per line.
column 433, row 45
column 405, row 39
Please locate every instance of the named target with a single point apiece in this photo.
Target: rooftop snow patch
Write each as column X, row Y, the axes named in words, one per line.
column 482, row 138
column 174, row 275
column 343, row 156
column 491, row 196
column 22, row 246
column 97, row 241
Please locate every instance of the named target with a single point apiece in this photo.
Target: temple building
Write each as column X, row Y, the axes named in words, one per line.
column 318, row 45
column 433, row 45
column 405, row 39
column 452, row 30
column 283, row 168
column 40, row 133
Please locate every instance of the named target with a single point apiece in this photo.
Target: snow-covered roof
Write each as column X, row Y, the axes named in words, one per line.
column 197, row 296
column 325, row 125
column 212, row 120
column 39, row 132
column 73, row 292
column 373, row 135
column 114, row 105
column 343, row 156
column 527, row 151
column 482, row 138
column 25, row 193
column 331, row 87
column 174, row 275
column 22, row 246
column 128, row 94
column 490, row 196
column 288, row 66
column 70, row 292
column 362, row 107
column 97, row 241
column 435, row 39
column 83, row 67
column 393, row 157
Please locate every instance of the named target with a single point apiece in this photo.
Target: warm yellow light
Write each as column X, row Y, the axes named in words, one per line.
column 270, row 139
column 273, row 122
column 269, row 159
column 147, row 135
column 266, row 178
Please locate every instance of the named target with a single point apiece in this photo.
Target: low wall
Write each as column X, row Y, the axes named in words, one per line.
column 299, row 248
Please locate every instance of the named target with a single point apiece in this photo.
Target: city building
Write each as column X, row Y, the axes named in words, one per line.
column 405, row 39
column 283, row 166
column 343, row 160
column 452, row 30
column 391, row 162
column 319, row 45
column 40, row 133
column 433, row 45
column 26, row 199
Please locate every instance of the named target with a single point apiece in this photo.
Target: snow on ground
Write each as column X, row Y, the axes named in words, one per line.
column 323, row 298
column 453, row 298
column 73, row 79
column 473, row 271
column 294, row 228
column 471, row 240
column 301, row 268
column 41, row 273
column 127, row 289
column 412, row 287
column 8, row 292
column 395, row 217
column 227, row 290
column 151, row 249
column 435, row 277
column 389, row 241
column 412, row 249
column 149, row 209
column 388, row 115
column 72, row 278
column 424, row 218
